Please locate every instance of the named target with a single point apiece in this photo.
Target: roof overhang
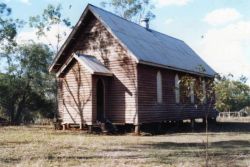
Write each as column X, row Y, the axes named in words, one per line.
column 68, row 40
column 76, row 29
column 73, row 35
column 176, row 69
column 86, row 64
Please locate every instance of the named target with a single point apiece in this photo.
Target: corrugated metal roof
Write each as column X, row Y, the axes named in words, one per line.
column 91, row 63
column 151, row 46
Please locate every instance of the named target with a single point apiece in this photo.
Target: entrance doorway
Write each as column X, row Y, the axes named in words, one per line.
column 100, row 100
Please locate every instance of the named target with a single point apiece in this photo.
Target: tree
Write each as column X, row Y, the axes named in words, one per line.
column 203, row 91
column 50, row 18
column 8, row 30
column 231, row 95
column 133, row 10
column 26, row 89
column 7, row 25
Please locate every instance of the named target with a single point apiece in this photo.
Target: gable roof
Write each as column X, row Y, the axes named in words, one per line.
column 147, row 46
column 89, row 62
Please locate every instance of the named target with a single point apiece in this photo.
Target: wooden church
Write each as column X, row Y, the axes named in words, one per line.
column 112, row 69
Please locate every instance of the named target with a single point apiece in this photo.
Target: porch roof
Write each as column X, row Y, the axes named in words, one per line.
column 92, row 64
column 89, row 62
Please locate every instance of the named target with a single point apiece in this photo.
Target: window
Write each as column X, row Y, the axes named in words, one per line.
column 192, row 91
column 204, row 91
column 159, row 87
column 177, row 89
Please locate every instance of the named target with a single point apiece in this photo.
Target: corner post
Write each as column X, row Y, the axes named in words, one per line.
column 137, row 130
column 90, row 128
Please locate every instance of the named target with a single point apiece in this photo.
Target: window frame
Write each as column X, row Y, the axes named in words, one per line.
column 159, row 87
column 192, row 99
column 177, row 89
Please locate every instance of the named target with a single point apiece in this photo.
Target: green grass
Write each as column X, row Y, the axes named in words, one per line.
column 43, row 146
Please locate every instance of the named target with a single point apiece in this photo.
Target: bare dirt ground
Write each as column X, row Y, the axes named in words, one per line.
column 229, row 145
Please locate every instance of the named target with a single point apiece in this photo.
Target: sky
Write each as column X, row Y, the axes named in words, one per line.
column 218, row 30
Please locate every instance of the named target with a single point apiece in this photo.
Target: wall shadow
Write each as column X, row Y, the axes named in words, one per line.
column 230, row 144
column 116, row 100
column 168, row 128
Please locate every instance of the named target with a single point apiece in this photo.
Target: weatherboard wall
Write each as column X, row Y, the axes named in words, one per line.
column 150, row 110
column 75, row 102
column 120, row 102
column 120, row 106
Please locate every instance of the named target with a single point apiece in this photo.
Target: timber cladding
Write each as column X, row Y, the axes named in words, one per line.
column 151, row 111
column 75, row 95
column 120, row 105
column 120, row 89
column 130, row 89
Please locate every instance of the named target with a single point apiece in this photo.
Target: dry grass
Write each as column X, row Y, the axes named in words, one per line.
column 43, row 146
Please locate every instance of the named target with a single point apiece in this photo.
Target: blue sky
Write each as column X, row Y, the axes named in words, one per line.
column 218, row 30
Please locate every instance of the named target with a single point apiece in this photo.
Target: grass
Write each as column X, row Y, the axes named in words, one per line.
column 43, row 146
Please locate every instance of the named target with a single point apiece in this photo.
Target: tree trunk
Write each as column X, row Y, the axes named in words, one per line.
column 20, row 108
column 12, row 115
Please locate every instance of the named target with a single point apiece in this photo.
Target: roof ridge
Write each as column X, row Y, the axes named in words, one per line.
column 167, row 54
column 132, row 21
column 115, row 14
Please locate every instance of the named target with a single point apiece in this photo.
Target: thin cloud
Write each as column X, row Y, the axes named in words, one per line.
column 50, row 39
column 26, row 2
column 168, row 21
column 222, row 16
column 163, row 3
column 224, row 48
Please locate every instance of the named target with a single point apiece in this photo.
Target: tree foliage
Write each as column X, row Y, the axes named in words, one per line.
column 8, row 29
column 7, row 25
column 231, row 95
column 27, row 88
column 134, row 10
column 50, row 17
